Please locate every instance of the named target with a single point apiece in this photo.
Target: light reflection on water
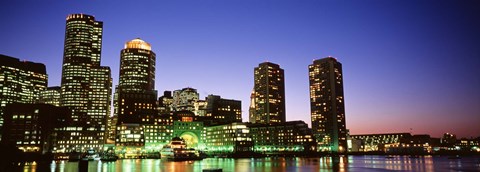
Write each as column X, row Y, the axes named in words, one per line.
column 343, row 163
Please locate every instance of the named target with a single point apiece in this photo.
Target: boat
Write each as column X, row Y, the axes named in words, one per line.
column 91, row 155
column 109, row 157
column 177, row 150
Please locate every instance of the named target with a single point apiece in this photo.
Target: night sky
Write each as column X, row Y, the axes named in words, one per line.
column 409, row 66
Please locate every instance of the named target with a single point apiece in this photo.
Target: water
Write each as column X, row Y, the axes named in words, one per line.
column 346, row 163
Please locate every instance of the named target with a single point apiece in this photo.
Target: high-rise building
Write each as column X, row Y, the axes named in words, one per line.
column 50, row 96
column 20, row 82
column 269, row 93
column 327, row 104
column 85, row 86
column 137, row 67
column 224, row 110
column 135, row 94
column 184, row 99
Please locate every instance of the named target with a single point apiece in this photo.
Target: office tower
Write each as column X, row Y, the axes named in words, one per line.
column 137, row 67
column 327, row 104
column 50, row 96
column 20, row 82
column 184, row 99
column 85, row 86
column 224, row 110
column 269, row 88
column 135, row 94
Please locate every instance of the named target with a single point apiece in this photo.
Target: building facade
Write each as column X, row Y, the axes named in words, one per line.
column 20, row 82
column 85, row 85
column 184, row 99
column 377, row 142
column 269, row 90
column 32, row 127
column 327, row 104
column 223, row 110
column 291, row 136
column 228, row 138
column 50, row 96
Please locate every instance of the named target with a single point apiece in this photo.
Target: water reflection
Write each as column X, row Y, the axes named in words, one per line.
column 340, row 163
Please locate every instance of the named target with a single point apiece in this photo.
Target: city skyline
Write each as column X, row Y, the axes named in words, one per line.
column 410, row 100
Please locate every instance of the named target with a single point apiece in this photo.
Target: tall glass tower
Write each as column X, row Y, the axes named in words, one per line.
column 85, row 86
column 327, row 104
column 269, row 90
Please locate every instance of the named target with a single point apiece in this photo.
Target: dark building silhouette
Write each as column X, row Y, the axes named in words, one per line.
column 85, row 85
column 327, row 104
column 223, row 110
column 33, row 127
column 20, row 82
column 269, row 90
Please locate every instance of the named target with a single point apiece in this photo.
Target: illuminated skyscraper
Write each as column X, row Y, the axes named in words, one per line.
column 327, row 104
column 269, row 93
column 20, row 82
column 135, row 94
column 85, row 86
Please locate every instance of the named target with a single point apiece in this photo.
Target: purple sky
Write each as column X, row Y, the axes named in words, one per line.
column 407, row 64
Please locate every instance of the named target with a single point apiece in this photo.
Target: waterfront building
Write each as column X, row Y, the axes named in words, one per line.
column 32, row 127
column 184, row 99
column 415, row 144
column 223, row 110
column 377, row 142
column 448, row 140
column 85, row 85
column 465, row 144
column 327, row 104
column 158, row 131
column 129, row 140
column 228, row 138
column 190, row 128
column 269, row 89
column 20, row 82
column 50, row 96
column 286, row 137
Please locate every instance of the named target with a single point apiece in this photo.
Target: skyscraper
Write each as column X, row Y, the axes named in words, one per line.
column 20, row 82
column 85, row 86
column 269, row 90
column 135, row 94
column 327, row 104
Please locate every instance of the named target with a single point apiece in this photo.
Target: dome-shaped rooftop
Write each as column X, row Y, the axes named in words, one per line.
column 137, row 43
